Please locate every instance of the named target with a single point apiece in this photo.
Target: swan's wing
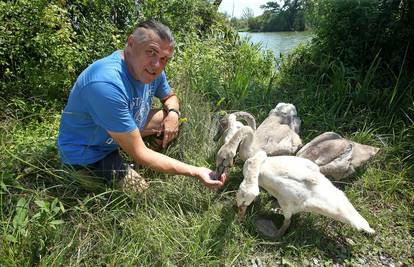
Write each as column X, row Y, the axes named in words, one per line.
column 326, row 152
column 292, row 168
column 361, row 153
column 278, row 139
column 267, row 124
column 320, row 138
column 353, row 157
column 341, row 166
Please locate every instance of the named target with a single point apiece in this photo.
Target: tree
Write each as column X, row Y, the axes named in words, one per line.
column 292, row 8
column 217, row 3
column 271, row 7
column 288, row 16
column 247, row 13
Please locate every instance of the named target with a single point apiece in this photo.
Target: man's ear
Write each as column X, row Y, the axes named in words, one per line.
column 130, row 40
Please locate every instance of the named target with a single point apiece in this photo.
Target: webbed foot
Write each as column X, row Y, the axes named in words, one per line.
column 268, row 229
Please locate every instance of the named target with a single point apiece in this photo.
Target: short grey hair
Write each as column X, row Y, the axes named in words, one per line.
column 162, row 31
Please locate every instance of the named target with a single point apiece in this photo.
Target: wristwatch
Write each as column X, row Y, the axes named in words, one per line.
column 174, row 110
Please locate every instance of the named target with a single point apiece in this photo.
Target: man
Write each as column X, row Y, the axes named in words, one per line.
column 110, row 107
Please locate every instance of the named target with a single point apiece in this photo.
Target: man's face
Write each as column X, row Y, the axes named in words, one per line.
column 148, row 59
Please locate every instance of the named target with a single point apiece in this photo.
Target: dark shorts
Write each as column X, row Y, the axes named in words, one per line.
column 111, row 168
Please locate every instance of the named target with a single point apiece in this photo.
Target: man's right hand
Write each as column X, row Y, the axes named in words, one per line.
column 205, row 176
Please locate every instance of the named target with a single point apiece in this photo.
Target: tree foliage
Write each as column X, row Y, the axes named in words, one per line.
column 357, row 31
column 290, row 16
column 286, row 17
column 372, row 35
column 272, row 7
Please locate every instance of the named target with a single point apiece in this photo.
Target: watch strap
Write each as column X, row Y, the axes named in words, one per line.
column 174, row 110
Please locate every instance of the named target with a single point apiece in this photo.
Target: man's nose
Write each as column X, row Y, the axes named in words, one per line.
column 156, row 62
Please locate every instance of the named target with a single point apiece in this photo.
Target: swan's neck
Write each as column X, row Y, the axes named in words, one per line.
column 245, row 134
column 252, row 168
column 250, row 121
column 248, row 147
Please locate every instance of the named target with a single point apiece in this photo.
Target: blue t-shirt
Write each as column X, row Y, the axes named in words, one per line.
column 104, row 98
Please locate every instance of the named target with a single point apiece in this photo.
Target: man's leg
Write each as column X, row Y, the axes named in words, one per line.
column 85, row 176
column 119, row 173
column 152, row 134
column 154, row 120
column 111, row 170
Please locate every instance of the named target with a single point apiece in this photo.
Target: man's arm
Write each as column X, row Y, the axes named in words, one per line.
column 171, row 122
column 132, row 144
column 171, row 102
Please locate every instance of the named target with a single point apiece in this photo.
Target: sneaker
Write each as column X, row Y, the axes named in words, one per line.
column 133, row 182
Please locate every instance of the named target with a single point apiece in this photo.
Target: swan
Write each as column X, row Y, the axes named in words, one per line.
column 246, row 137
column 336, row 156
column 296, row 182
column 229, row 125
column 286, row 113
column 243, row 137
column 276, row 135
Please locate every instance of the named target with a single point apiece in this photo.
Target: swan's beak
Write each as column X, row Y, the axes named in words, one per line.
column 220, row 170
column 216, row 175
column 242, row 211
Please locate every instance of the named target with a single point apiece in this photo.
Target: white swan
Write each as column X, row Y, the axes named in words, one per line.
column 296, row 182
column 336, row 156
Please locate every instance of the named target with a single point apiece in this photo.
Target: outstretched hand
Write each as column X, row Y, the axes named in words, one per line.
column 206, row 176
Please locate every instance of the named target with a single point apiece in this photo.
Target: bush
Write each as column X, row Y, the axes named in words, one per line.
column 38, row 52
column 357, row 31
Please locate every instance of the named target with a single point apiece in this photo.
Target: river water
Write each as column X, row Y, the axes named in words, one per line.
column 278, row 42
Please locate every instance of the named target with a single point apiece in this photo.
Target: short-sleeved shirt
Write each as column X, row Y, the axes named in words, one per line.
column 104, row 98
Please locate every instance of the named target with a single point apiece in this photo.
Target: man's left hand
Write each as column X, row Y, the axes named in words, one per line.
column 170, row 128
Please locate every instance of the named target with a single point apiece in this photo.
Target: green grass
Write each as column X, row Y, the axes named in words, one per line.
column 47, row 219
